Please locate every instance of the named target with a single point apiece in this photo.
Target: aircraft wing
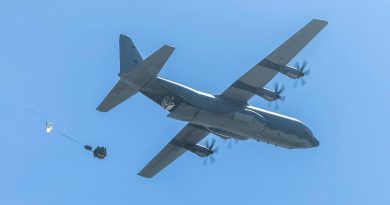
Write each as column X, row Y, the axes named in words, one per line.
column 262, row 73
column 190, row 134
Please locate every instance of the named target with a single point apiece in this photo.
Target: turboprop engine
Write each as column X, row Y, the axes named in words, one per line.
column 203, row 150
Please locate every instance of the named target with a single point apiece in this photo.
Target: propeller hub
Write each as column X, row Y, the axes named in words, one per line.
column 301, row 72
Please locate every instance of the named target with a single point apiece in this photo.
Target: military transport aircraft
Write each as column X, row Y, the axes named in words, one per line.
column 227, row 115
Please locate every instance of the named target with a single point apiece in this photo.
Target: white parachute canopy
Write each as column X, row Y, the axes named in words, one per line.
column 49, row 127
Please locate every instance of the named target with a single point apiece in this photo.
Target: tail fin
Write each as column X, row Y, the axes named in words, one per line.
column 135, row 73
column 128, row 53
column 119, row 93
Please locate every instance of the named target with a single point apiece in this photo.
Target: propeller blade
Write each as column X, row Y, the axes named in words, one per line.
column 304, row 63
column 212, row 159
column 212, row 143
column 230, row 144
column 295, row 83
column 297, row 65
column 278, row 89
column 303, row 82
column 276, row 86
column 215, row 150
column 281, row 89
column 304, row 72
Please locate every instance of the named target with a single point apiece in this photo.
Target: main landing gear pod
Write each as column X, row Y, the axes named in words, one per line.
column 168, row 103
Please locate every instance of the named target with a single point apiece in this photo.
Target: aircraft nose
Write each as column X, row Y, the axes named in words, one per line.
column 313, row 141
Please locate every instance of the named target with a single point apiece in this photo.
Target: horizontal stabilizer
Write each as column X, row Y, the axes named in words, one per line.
column 117, row 95
column 143, row 72
column 153, row 64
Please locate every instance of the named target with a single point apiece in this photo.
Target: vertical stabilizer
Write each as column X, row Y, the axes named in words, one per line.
column 129, row 55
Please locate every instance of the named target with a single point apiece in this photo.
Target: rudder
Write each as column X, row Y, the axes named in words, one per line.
column 129, row 55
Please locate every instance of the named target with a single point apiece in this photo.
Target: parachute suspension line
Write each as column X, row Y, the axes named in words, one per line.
column 98, row 152
column 50, row 125
column 34, row 112
column 71, row 139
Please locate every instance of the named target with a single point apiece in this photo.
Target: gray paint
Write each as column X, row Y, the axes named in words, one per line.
column 218, row 113
column 227, row 115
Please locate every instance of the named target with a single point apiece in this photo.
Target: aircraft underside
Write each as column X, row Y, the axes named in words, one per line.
column 234, row 125
column 226, row 115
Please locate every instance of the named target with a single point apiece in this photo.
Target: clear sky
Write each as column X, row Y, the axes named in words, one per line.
column 61, row 59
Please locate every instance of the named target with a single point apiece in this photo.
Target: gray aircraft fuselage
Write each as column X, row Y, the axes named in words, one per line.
column 228, row 118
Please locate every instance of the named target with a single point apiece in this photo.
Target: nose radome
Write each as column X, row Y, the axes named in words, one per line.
column 310, row 137
column 315, row 142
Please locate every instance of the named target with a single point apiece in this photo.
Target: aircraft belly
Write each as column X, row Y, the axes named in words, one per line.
column 226, row 126
column 184, row 112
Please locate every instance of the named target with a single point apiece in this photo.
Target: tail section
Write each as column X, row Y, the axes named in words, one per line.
column 119, row 93
column 128, row 53
column 135, row 73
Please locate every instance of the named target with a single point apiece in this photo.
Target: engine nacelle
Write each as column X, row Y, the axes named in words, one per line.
column 287, row 70
column 290, row 72
column 262, row 92
column 267, row 94
column 200, row 150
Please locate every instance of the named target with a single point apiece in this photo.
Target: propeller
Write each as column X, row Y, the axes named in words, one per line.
column 213, row 149
column 230, row 144
column 278, row 89
column 212, row 146
column 275, row 103
column 303, row 72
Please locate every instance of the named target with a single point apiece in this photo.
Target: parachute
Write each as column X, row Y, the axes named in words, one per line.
column 98, row 152
column 49, row 127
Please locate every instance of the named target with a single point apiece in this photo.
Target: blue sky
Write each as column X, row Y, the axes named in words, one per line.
column 61, row 58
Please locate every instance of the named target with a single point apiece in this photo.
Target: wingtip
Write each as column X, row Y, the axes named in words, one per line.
column 322, row 21
column 169, row 47
column 102, row 108
column 144, row 176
